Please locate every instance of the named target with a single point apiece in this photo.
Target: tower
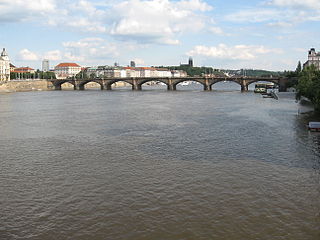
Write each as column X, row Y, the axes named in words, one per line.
column 312, row 54
column 190, row 62
column 132, row 64
column 45, row 65
column 4, row 66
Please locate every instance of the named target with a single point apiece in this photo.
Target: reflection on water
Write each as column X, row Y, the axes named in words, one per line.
column 157, row 165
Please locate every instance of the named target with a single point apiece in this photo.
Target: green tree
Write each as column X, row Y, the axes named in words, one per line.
column 299, row 68
column 309, row 85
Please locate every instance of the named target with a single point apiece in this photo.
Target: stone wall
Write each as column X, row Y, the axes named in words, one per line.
column 25, row 85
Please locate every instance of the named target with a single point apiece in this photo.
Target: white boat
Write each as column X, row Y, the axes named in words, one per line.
column 314, row 126
column 161, row 83
column 185, row 83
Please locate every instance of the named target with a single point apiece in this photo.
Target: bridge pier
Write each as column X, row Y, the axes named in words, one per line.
column 207, row 87
column 107, row 87
column 171, row 87
column 244, row 88
column 136, row 87
column 79, row 87
column 57, row 87
column 283, row 85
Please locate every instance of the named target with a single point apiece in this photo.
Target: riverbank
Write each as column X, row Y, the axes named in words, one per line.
column 25, row 85
column 43, row 85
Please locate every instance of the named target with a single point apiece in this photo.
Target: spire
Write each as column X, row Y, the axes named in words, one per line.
column 4, row 53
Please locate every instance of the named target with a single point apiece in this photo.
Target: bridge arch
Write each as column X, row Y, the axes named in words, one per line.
column 58, row 84
column 175, row 83
column 141, row 82
column 227, row 80
column 267, row 80
column 114, row 81
column 84, row 82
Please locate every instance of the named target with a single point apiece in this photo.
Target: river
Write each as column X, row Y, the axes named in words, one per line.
column 157, row 164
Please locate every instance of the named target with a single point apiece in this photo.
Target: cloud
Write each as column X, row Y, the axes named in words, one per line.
column 157, row 21
column 238, row 52
column 142, row 21
column 254, row 15
column 312, row 4
column 194, row 5
column 54, row 55
column 280, row 24
column 217, row 31
column 27, row 55
column 139, row 61
column 88, row 50
column 80, row 15
column 279, row 13
column 18, row 10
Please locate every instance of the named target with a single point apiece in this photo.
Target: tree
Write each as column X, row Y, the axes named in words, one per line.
column 299, row 68
column 309, row 85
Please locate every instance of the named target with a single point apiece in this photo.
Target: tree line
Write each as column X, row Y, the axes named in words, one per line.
column 36, row 75
column 307, row 84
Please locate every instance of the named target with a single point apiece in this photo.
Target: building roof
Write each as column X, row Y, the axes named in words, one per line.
column 162, row 69
column 147, row 68
column 67, row 65
column 25, row 68
column 12, row 66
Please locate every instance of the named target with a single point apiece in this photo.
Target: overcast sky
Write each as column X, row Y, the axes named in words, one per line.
column 260, row 34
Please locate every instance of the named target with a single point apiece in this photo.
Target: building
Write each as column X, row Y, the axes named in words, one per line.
column 4, row 66
column 66, row 70
column 24, row 70
column 132, row 72
column 190, row 63
column 137, row 72
column 132, row 64
column 163, row 72
column 147, row 71
column 12, row 67
column 179, row 73
column 313, row 59
column 45, row 65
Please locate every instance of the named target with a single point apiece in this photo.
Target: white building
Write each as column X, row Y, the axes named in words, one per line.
column 179, row 73
column 4, row 66
column 146, row 71
column 136, row 72
column 132, row 72
column 45, row 65
column 66, row 70
column 313, row 59
column 163, row 72
column 106, row 72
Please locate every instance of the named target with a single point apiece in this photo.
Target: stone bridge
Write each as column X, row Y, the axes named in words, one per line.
column 136, row 83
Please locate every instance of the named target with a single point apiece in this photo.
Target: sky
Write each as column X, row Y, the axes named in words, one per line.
column 228, row 34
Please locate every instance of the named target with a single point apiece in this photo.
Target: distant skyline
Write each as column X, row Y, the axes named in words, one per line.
column 234, row 34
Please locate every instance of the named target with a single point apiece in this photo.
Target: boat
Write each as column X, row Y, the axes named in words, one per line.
column 270, row 86
column 260, row 88
column 314, row 126
column 270, row 94
column 185, row 83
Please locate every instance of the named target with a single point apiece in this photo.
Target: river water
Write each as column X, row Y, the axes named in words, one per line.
column 157, row 165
